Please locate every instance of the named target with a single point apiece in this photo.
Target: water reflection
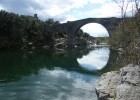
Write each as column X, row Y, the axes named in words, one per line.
column 57, row 84
column 15, row 64
column 95, row 60
column 50, row 74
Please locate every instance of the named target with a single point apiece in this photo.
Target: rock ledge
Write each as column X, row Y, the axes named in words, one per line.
column 120, row 85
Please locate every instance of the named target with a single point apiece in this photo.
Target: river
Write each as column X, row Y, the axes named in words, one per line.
column 51, row 74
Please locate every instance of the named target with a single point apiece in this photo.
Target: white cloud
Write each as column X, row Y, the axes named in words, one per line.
column 106, row 10
column 109, row 10
column 95, row 30
column 98, row 1
column 1, row 7
column 53, row 8
column 48, row 8
column 69, row 18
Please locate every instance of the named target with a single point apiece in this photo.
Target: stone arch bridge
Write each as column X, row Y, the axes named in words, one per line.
column 72, row 27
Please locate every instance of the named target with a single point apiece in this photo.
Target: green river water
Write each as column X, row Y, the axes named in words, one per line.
column 52, row 74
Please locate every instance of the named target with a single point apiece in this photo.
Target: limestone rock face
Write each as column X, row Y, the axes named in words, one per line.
column 106, row 87
column 120, row 85
column 129, row 83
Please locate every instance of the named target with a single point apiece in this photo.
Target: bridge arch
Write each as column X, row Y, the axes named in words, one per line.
column 72, row 27
column 105, row 22
column 95, row 30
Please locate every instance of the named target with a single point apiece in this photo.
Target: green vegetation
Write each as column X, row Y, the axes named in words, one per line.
column 19, row 31
column 126, row 38
column 102, row 40
column 83, row 38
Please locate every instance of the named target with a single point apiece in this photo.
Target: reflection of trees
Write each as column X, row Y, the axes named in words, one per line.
column 14, row 65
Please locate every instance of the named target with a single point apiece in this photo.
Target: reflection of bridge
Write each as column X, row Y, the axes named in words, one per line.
column 24, row 63
column 72, row 27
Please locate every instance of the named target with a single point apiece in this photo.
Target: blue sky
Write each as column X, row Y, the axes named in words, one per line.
column 65, row 10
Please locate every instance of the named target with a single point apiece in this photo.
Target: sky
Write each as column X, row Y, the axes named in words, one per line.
column 65, row 10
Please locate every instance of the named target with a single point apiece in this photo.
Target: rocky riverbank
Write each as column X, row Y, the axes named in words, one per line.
column 120, row 85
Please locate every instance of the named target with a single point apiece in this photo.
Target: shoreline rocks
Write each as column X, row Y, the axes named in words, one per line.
column 120, row 85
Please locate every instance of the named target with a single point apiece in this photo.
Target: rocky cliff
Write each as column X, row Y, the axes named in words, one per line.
column 120, row 85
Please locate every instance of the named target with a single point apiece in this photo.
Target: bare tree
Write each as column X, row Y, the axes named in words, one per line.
column 123, row 5
column 137, row 4
column 137, row 13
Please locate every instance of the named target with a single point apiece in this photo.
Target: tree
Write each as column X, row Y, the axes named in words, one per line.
column 50, row 22
column 123, row 5
column 127, row 36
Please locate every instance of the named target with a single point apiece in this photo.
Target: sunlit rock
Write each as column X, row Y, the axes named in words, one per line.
column 121, row 85
column 106, row 87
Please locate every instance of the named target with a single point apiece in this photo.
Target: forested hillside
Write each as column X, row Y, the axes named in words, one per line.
column 20, row 31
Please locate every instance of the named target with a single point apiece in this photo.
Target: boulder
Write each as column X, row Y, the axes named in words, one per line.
column 128, row 87
column 105, row 90
column 120, row 85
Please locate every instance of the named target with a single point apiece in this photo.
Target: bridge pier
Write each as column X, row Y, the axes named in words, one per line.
column 71, row 39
